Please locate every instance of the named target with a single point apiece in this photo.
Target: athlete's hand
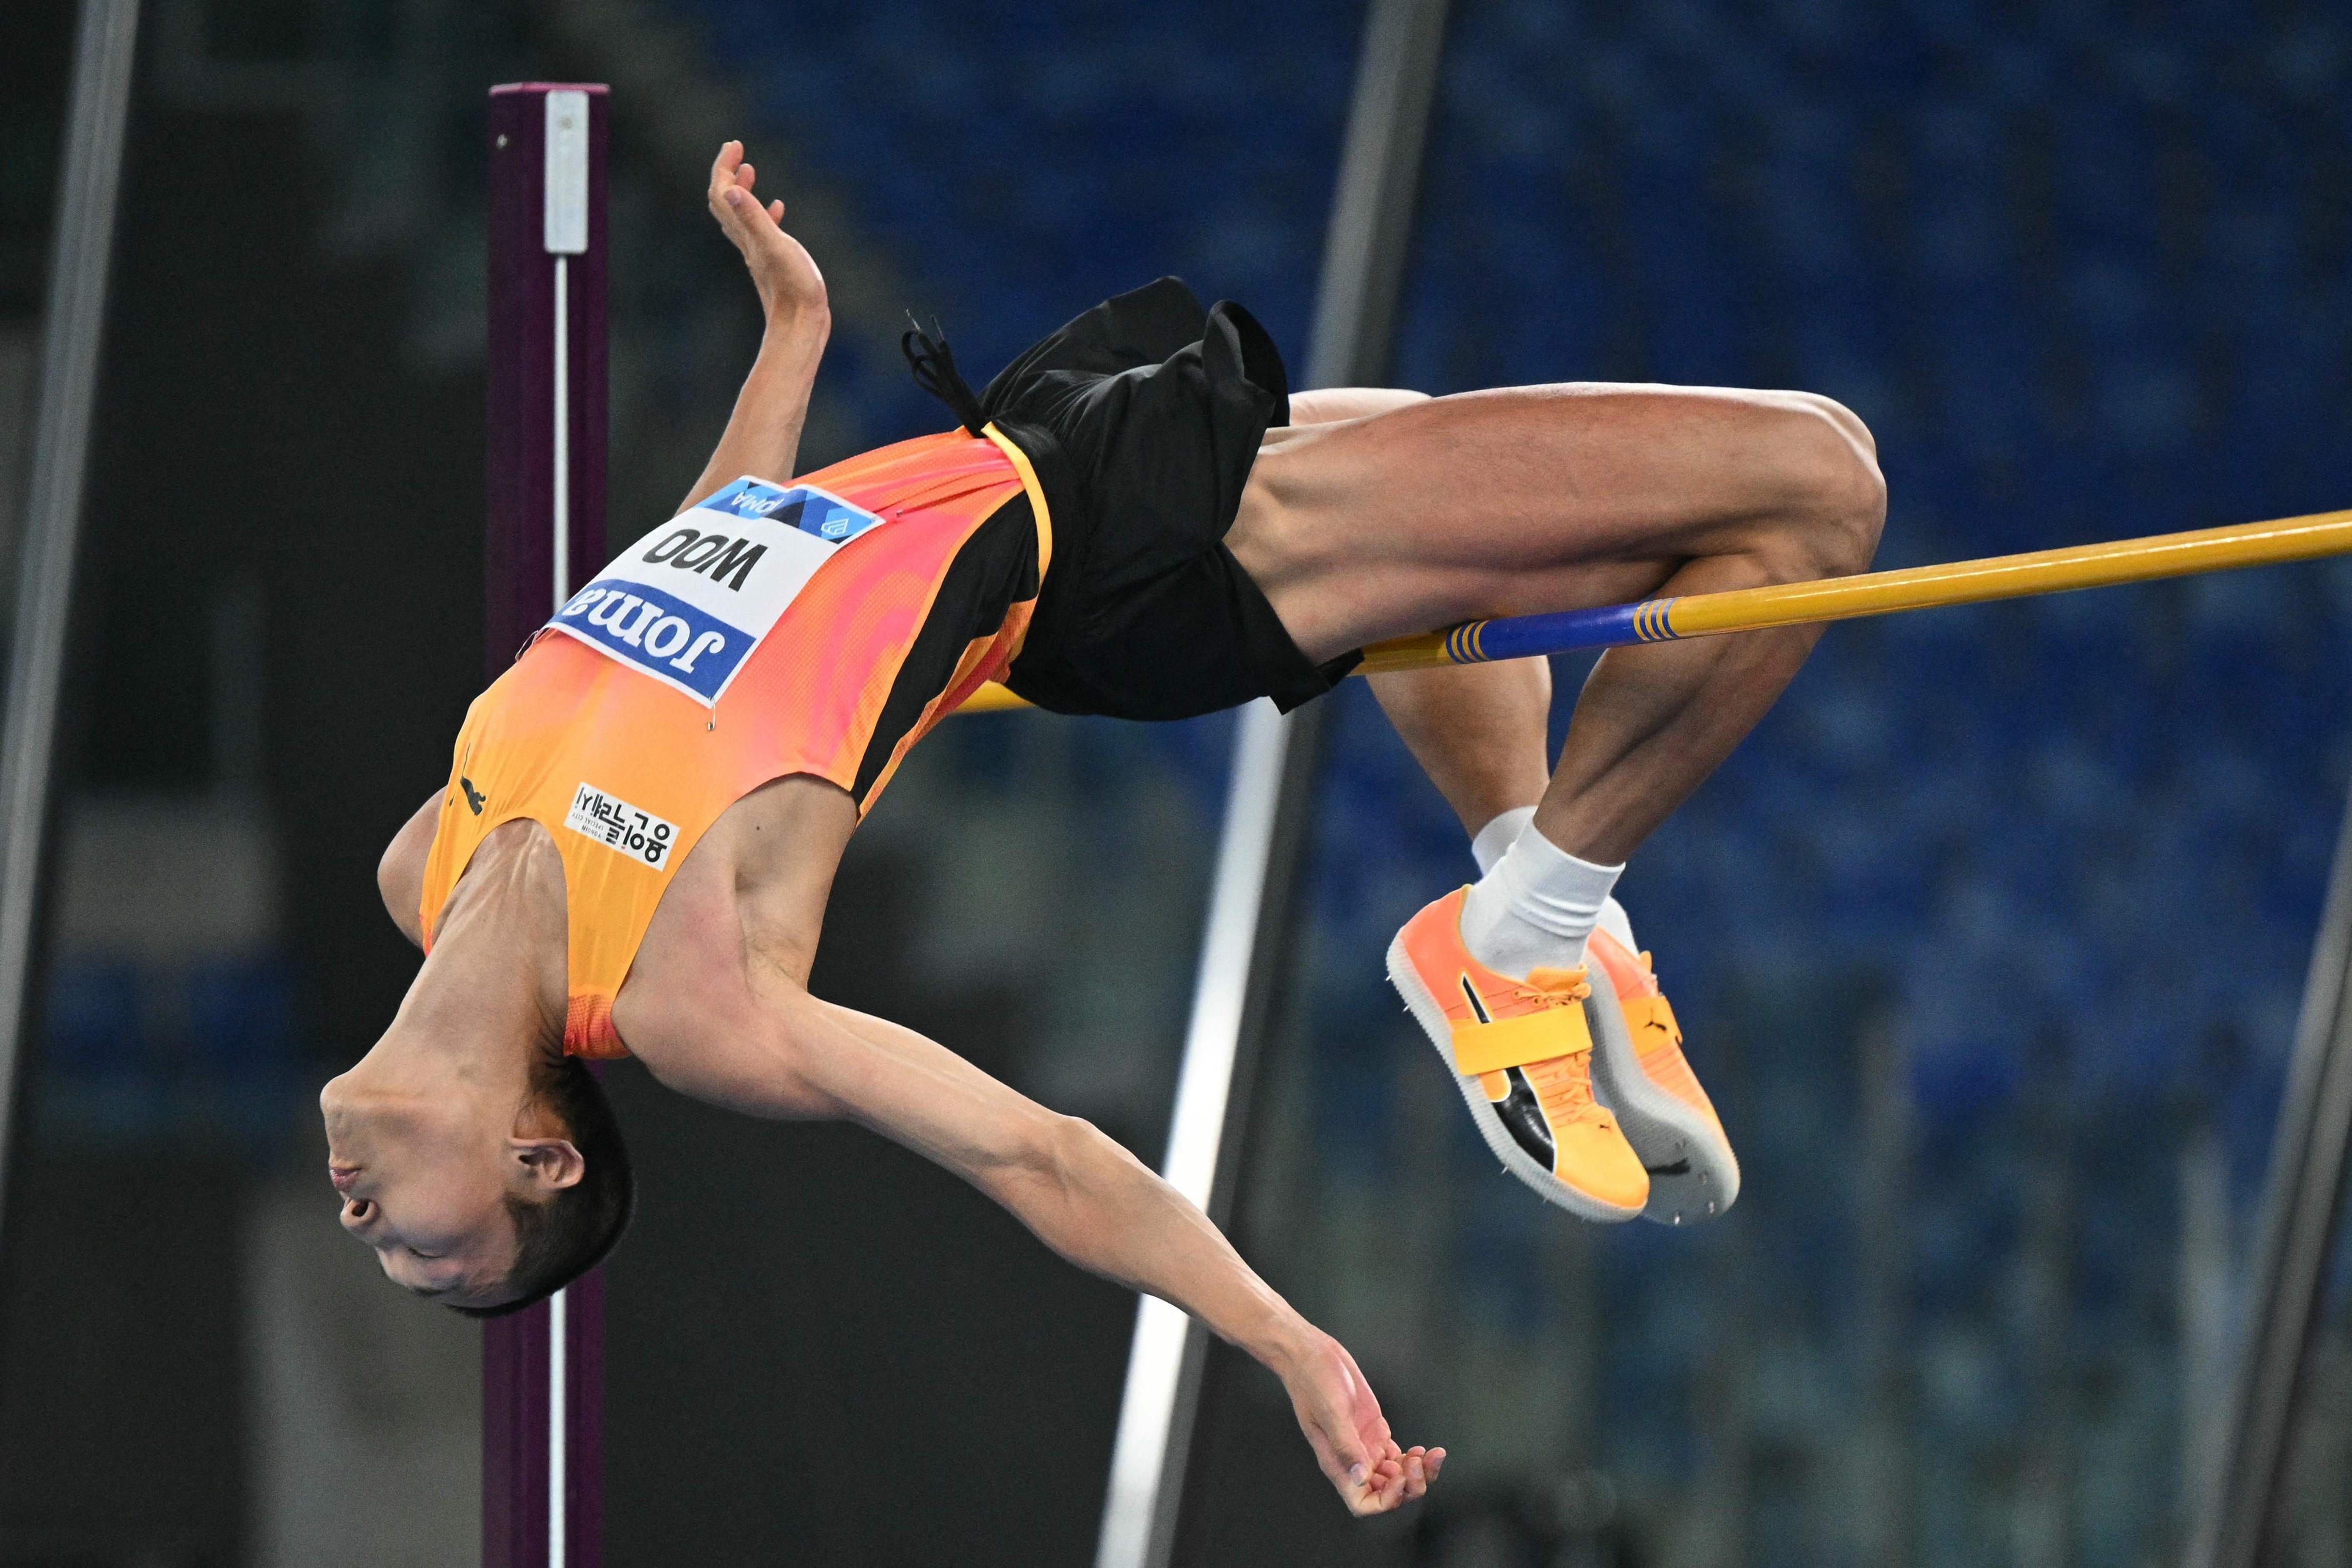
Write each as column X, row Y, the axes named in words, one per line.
column 787, row 278
column 1350, row 1437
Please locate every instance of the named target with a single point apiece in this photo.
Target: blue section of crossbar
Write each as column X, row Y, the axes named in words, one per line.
column 1570, row 632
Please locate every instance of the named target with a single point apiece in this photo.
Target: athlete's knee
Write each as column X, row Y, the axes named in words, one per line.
column 1835, row 532
column 1839, row 418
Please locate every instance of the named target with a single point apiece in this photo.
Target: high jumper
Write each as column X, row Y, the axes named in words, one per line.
column 644, row 814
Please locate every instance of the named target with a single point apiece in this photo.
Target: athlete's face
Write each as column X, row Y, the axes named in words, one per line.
column 423, row 1182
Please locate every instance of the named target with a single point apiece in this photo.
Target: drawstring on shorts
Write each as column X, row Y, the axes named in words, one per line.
column 934, row 372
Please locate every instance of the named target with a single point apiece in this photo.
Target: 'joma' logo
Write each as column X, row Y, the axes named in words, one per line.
column 713, row 555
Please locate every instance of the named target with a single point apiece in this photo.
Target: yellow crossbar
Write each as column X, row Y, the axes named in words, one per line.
column 2015, row 576
column 2022, row 576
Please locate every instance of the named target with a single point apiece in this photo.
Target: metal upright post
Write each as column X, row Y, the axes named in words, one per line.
column 73, row 331
column 1267, row 807
column 542, row 1370
column 2302, row 1207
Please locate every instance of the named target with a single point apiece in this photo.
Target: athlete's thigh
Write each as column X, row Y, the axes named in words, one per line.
column 1508, row 502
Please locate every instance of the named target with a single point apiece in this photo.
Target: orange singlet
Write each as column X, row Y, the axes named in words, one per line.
column 820, row 627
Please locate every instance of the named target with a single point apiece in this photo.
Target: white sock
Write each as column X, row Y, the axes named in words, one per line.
column 1492, row 840
column 1617, row 923
column 1535, row 907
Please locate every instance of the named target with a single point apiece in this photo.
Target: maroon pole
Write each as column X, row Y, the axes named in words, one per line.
column 546, row 483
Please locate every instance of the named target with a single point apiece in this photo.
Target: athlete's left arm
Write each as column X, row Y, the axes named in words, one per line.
column 1081, row 1194
column 400, row 875
column 763, row 435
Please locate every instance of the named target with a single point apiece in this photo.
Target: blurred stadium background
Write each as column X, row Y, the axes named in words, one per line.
column 1990, row 940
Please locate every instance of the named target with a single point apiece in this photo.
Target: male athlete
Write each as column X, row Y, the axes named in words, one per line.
column 644, row 814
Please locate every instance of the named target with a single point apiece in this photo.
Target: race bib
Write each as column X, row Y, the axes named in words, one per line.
column 689, row 603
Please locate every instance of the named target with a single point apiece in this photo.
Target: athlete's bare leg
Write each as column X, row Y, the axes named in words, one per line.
column 1560, row 497
column 1478, row 730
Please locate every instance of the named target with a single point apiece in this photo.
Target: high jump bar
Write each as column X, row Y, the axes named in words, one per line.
column 2107, row 565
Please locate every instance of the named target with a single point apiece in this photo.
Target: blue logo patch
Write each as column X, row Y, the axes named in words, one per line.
column 811, row 511
column 659, row 633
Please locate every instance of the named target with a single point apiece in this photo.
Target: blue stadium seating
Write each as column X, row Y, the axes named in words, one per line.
column 2083, row 273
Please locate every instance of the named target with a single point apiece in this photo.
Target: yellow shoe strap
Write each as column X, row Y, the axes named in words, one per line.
column 1515, row 1041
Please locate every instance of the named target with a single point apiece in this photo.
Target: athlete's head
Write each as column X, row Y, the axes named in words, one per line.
column 483, row 1194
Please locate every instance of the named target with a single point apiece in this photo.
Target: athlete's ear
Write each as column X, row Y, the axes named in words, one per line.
column 549, row 1164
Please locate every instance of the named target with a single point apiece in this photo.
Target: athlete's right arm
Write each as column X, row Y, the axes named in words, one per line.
column 764, row 435
column 1079, row 1192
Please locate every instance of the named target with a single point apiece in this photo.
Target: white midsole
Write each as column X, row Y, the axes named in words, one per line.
column 1661, row 1128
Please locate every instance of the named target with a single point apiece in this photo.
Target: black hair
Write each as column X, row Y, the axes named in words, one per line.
column 560, row 1238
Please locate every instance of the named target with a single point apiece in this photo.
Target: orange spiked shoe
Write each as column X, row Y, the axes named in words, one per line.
column 1640, row 1072
column 1521, row 1053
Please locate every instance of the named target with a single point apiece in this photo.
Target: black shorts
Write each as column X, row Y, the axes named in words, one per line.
column 1142, row 418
